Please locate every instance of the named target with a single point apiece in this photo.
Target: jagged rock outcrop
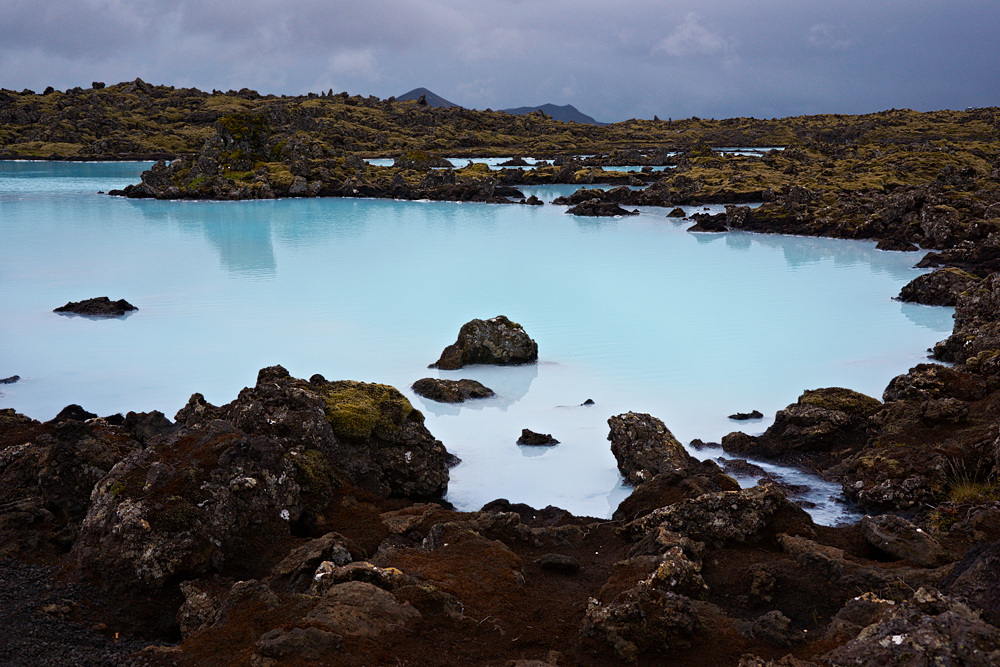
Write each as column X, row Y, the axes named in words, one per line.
column 645, row 447
column 822, row 420
column 235, row 481
column 938, row 288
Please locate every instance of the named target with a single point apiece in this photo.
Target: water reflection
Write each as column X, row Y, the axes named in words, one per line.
column 935, row 318
column 239, row 231
column 509, row 383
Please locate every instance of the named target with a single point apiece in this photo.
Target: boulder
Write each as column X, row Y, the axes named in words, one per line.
column 728, row 516
column 898, row 537
column 644, row 618
column 976, row 581
column 496, row 341
column 529, row 437
column 645, row 447
column 100, row 306
column 371, row 431
column 928, row 629
column 451, row 391
column 11, row 380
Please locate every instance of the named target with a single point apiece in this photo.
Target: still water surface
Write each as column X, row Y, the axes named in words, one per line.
column 634, row 313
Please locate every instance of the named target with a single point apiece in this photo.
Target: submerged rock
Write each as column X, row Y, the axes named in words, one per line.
column 496, row 341
column 100, row 306
column 451, row 391
column 11, row 380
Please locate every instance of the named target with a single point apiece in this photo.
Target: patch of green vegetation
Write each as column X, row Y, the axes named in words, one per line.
column 967, row 484
column 360, row 410
column 837, row 398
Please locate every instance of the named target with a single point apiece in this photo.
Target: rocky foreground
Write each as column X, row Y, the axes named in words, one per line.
column 302, row 523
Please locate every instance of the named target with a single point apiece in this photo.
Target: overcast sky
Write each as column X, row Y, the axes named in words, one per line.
column 612, row 60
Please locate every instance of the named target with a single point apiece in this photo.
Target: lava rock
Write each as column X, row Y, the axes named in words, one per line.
column 930, row 628
column 898, row 245
column 645, row 447
column 496, row 341
column 597, row 208
column 898, row 537
column 938, row 288
column 451, row 391
column 533, row 439
column 11, row 380
column 100, row 306
column 744, row 416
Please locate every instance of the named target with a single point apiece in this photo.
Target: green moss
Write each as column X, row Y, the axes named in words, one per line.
column 360, row 410
column 852, row 402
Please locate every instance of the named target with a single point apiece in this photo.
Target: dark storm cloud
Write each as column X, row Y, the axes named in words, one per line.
column 672, row 58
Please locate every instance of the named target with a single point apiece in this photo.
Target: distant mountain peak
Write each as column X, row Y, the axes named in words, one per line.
column 432, row 98
column 566, row 113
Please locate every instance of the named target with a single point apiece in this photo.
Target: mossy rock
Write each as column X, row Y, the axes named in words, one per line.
column 852, row 402
column 361, row 410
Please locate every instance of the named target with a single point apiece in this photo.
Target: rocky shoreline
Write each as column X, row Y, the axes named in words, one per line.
column 303, row 523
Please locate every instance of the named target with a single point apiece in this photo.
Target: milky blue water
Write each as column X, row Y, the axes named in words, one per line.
column 634, row 313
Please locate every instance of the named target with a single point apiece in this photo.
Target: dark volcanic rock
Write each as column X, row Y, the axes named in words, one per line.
column 938, row 288
column 898, row 245
column 822, row 420
column 72, row 412
column 232, row 483
column 529, row 437
column 11, row 380
column 898, row 537
column 743, row 416
column 100, row 306
column 928, row 629
column 706, row 222
column 645, row 447
column 451, row 391
column 496, row 341
column 597, row 208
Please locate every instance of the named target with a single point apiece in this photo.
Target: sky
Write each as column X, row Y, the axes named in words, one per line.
column 611, row 60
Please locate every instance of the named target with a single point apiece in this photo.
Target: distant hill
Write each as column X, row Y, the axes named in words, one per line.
column 566, row 113
column 432, row 98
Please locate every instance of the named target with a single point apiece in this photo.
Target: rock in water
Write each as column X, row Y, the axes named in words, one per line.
column 529, row 437
column 100, row 306
column 451, row 391
column 645, row 447
column 11, row 380
column 496, row 341
column 743, row 416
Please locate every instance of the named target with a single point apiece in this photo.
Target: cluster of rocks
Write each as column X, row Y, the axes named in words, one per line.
column 302, row 522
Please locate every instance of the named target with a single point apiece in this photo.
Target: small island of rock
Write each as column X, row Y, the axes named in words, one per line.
column 496, row 341
column 100, row 306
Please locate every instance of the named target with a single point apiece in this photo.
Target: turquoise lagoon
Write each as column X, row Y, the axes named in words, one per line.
column 634, row 313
